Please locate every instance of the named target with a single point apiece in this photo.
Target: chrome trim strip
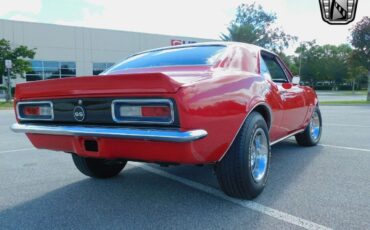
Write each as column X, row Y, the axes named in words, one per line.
column 138, row 101
column 161, row 49
column 150, row 67
column 35, row 103
column 286, row 137
column 125, row 133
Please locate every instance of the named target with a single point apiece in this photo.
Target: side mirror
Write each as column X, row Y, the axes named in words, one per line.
column 296, row 80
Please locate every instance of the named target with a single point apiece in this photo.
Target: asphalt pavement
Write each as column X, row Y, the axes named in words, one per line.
column 322, row 187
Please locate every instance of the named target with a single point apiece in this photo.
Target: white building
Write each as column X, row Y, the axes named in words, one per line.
column 67, row 51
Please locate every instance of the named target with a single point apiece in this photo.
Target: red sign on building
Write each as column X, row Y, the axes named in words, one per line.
column 177, row 42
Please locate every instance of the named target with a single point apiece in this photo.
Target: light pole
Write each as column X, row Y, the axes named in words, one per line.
column 368, row 85
column 8, row 67
column 302, row 47
column 300, row 63
column 367, row 38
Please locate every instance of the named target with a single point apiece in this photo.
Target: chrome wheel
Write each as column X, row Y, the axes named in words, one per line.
column 315, row 127
column 312, row 133
column 259, row 155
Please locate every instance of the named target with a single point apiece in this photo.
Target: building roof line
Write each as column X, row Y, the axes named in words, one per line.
column 105, row 29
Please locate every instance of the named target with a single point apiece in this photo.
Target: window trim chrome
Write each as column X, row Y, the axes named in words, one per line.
column 146, row 101
column 35, row 103
column 162, row 49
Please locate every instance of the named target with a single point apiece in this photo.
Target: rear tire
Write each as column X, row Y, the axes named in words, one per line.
column 312, row 134
column 243, row 171
column 98, row 168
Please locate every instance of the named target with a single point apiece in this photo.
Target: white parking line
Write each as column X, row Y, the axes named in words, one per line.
column 347, row 125
column 247, row 204
column 16, row 150
column 339, row 147
column 344, row 147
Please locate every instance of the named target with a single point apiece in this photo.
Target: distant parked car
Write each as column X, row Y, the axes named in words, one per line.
column 211, row 103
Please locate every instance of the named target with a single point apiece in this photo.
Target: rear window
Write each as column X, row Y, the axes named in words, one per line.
column 183, row 56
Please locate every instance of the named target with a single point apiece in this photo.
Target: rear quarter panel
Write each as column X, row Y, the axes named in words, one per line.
column 311, row 102
column 219, row 105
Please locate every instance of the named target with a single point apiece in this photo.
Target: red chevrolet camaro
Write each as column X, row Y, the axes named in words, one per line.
column 209, row 103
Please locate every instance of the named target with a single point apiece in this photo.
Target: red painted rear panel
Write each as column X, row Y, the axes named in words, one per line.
column 216, row 99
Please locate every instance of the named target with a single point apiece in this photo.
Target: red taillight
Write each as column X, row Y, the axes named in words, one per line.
column 31, row 111
column 144, row 111
column 35, row 111
column 152, row 111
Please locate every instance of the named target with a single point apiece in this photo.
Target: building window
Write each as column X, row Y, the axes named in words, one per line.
column 43, row 70
column 100, row 67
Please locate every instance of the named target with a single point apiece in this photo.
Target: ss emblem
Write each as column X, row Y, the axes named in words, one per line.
column 79, row 113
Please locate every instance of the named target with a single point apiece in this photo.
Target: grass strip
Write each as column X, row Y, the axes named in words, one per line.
column 344, row 102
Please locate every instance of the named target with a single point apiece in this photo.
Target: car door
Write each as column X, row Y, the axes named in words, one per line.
column 292, row 96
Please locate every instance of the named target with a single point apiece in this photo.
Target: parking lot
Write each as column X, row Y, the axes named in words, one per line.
column 327, row 186
column 328, row 96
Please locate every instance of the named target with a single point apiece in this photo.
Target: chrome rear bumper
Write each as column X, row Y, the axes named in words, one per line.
column 125, row 133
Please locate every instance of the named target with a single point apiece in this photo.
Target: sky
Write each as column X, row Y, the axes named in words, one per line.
column 193, row 18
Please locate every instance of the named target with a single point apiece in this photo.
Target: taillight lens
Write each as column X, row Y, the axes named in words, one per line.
column 150, row 111
column 35, row 111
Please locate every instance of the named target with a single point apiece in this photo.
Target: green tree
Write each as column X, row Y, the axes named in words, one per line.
column 289, row 60
column 327, row 63
column 336, row 63
column 17, row 55
column 356, row 72
column 256, row 26
column 360, row 39
column 308, row 63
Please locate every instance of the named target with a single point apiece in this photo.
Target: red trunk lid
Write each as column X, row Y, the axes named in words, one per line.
column 151, row 81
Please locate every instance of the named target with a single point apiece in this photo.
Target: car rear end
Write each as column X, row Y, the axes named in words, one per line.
column 134, row 115
column 139, row 126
